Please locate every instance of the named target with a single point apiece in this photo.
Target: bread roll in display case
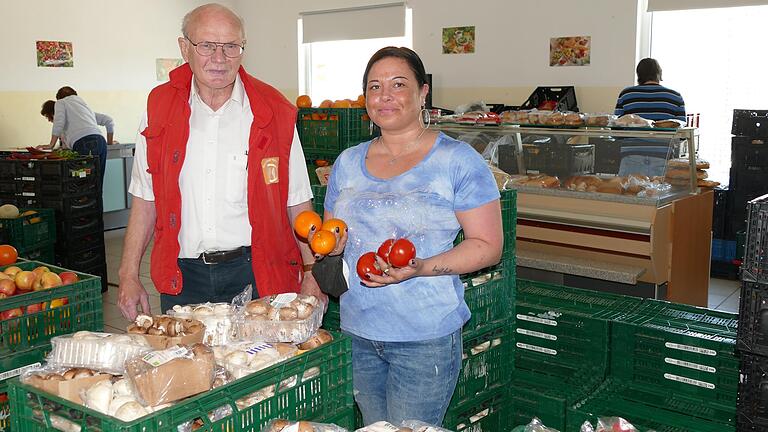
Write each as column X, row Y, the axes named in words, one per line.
column 617, row 209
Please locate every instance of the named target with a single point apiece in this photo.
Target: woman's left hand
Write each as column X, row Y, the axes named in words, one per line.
column 393, row 275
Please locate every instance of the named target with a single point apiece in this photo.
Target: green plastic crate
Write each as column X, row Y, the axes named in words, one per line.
column 5, row 408
column 566, row 341
column 325, row 396
column 489, row 413
column 688, row 352
column 21, row 334
column 326, row 132
column 595, row 304
column 547, row 396
column 44, row 252
column 25, row 232
column 487, row 361
column 332, row 316
column 615, row 399
column 318, row 192
column 508, row 202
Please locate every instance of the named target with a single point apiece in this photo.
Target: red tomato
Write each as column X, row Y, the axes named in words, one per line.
column 3, row 397
column 402, row 252
column 8, row 254
column 367, row 264
column 384, row 249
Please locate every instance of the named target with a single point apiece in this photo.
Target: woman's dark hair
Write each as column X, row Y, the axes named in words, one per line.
column 47, row 110
column 407, row 54
column 648, row 70
column 64, row 92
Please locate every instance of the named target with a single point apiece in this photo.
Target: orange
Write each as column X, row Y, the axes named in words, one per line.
column 305, row 221
column 345, row 103
column 304, row 101
column 323, row 242
column 356, row 104
column 326, row 103
column 332, row 224
column 361, row 100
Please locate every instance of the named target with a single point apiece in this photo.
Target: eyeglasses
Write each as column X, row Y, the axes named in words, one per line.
column 206, row 49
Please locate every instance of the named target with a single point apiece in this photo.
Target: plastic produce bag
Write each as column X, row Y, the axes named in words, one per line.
column 420, row 426
column 537, row 426
column 244, row 358
column 172, row 374
column 491, row 152
column 614, row 424
column 280, row 425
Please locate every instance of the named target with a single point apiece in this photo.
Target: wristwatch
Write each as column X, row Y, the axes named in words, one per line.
column 307, row 267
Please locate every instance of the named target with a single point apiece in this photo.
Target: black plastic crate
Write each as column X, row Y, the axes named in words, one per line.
column 79, row 226
column 749, row 152
column 744, row 186
column 753, row 318
column 755, row 264
column 19, row 188
column 719, row 211
column 80, row 243
column 73, row 206
column 21, row 201
column 86, row 259
column 12, row 169
column 560, row 160
column 564, row 96
column 99, row 270
column 58, row 170
column 750, row 123
column 74, row 187
column 752, row 408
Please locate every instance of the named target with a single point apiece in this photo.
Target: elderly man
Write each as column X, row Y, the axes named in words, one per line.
column 218, row 176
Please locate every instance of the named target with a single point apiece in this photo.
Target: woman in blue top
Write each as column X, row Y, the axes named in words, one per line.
column 419, row 184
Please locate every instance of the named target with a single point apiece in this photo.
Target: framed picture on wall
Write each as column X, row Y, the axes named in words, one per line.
column 459, row 40
column 54, row 54
column 570, row 51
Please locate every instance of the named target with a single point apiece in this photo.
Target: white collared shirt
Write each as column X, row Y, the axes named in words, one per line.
column 214, row 209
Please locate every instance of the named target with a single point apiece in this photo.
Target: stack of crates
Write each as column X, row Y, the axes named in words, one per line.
column 29, row 321
column 33, row 234
column 673, row 367
column 562, row 338
column 480, row 399
column 753, row 322
column 314, row 386
column 71, row 188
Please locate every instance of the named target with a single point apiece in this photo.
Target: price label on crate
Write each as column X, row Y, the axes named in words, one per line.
column 536, row 348
column 536, row 334
column 690, row 365
column 689, row 381
column 529, row 318
column 689, row 348
column 18, row 371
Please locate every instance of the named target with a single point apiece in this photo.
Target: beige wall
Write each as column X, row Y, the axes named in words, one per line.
column 116, row 44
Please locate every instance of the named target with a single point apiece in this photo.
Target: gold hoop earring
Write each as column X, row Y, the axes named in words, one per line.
column 424, row 117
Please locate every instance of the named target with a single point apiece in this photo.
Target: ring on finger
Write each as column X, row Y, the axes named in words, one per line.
column 386, row 271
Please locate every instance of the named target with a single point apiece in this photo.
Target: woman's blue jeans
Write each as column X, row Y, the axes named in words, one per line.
column 94, row 145
column 396, row 381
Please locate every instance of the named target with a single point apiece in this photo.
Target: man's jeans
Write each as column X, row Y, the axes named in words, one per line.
column 211, row 282
column 396, row 381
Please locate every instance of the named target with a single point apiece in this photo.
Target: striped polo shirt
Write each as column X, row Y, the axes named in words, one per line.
column 652, row 102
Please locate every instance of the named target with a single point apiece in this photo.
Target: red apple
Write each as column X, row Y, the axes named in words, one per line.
column 50, row 280
column 34, row 308
column 12, row 270
column 25, row 280
column 4, row 276
column 7, row 287
column 68, row 277
column 11, row 313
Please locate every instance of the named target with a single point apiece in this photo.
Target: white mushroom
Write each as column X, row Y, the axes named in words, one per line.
column 130, row 411
column 99, row 396
column 144, row 321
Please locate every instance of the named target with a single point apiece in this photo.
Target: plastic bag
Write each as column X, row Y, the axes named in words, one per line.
column 289, row 317
column 172, row 374
column 614, row 424
column 491, row 152
column 280, row 425
column 632, row 120
column 472, row 106
column 420, row 426
column 537, row 426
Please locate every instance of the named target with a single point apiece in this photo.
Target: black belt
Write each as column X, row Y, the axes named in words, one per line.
column 217, row 257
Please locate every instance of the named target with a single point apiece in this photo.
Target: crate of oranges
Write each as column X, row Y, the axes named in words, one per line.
column 333, row 126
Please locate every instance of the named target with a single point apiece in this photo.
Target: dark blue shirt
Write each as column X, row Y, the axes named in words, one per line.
column 652, row 102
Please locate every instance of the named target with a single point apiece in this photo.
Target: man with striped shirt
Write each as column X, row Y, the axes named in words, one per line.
column 651, row 101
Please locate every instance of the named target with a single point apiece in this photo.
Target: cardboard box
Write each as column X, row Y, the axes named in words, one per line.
column 70, row 389
column 171, row 381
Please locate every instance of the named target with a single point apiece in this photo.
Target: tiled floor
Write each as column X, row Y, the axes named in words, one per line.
column 723, row 293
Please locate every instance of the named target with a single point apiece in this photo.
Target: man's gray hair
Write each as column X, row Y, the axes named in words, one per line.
column 191, row 15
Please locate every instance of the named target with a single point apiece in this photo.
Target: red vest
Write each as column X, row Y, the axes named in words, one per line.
column 276, row 257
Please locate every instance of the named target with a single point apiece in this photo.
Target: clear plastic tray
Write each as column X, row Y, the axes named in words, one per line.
column 257, row 328
column 244, row 358
column 105, row 352
column 217, row 317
